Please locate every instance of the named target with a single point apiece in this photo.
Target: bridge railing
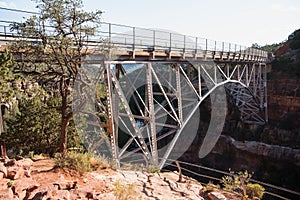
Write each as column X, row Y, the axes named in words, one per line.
column 159, row 39
column 145, row 39
column 141, row 39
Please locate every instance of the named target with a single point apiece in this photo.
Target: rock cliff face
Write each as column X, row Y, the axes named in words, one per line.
column 284, row 99
column 262, row 149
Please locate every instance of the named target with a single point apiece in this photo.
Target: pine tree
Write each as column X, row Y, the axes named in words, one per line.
column 6, row 79
column 61, row 31
column 34, row 127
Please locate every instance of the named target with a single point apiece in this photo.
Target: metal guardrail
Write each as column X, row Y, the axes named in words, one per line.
column 129, row 38
column 210, row 174
column 135, row 38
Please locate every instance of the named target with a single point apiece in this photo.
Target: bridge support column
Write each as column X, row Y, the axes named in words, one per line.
column 110, row 123
column 149, row 86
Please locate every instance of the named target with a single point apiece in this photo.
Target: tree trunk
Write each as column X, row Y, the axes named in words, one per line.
column 1, row 121
column 3, row 149
column 3, row 152
column 65, row 118
column 63, row 135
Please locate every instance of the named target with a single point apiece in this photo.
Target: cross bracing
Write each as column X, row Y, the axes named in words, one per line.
column 150, row 109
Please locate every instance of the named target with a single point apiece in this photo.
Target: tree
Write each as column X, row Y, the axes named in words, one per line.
column 6, row 79
column 34, row 127
column 255, row 45
column 55, row 42
column 270, row 48
column 295, row 40
column 6, row 76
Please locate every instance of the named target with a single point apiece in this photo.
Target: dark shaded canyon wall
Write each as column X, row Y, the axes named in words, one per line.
column 284, row 99
column 272, row 152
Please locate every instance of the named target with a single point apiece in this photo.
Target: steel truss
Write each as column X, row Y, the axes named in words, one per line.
column 148, row 105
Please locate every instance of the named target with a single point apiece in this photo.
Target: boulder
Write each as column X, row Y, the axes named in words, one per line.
column 24, row 186
column 47, row 191
column 24, row 163
column 18, row 169
column 15, row 173
column 216, row 196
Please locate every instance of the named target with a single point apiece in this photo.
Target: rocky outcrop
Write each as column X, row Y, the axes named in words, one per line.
column 274, row 152
column 270, row 151
column 216, row 196
column 284, row 49
column 49, row 183
column 18, row 169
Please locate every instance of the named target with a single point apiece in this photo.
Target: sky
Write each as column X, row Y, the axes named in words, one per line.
column 235, row 21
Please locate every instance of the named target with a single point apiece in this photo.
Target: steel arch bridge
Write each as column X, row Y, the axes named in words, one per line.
column 150, row 106
column 144, row 104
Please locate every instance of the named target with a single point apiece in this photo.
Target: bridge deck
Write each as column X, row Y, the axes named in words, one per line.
column 175, row 55
column 126, row 42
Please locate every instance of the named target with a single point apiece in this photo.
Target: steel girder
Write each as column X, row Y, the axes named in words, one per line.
column 148, row 106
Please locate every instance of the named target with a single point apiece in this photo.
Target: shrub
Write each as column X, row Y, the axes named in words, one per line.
column 239, row 183
column 123, row 192
column 255, row 190
column 153, row 169
column 236, row 182
column 82, row 162
column 10, row 184
column 32, row 126
column 211, row 187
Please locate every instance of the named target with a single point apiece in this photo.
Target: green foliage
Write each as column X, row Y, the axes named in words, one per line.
column 255, row 190
column 10, row 184
column 6, row 76
column 234, row 182
column 270, row 48
column 295, row 40
column 287, row 66
column 30, row 154
column 55, row 59
column 34, row 126
column 82, row 162
column 123, row 192
column 154, row 169
column 238, row 182
column 211, row 187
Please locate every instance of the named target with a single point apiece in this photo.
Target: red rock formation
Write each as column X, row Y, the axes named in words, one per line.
column 283, row 49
